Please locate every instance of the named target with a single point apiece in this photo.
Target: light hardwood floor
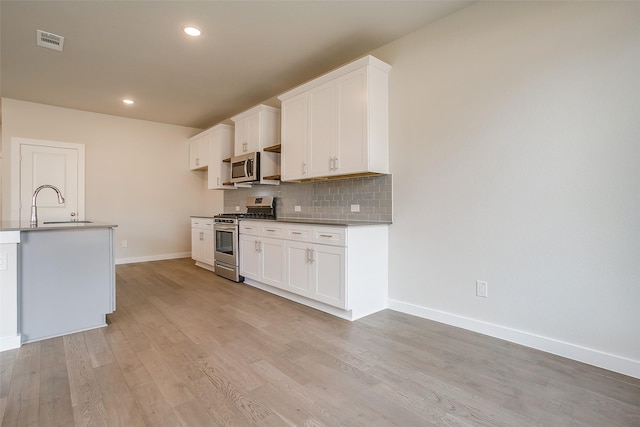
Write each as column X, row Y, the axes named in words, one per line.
column 187, row 348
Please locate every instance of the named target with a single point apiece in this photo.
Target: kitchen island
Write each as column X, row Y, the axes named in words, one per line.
column 63, row 279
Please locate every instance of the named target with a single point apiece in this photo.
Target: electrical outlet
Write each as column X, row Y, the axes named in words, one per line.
column 482, row 289
column 237, row 208
column 355, row 208
column 297, row 208
column 124, row 243
column 4, row 260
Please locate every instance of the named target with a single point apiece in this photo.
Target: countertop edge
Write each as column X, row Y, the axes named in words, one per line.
column 310, row 221
column 48, row 227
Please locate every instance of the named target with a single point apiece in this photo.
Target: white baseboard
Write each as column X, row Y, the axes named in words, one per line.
column 152, row 258
column 590, row 356
column 343, row 314
column 9, row 343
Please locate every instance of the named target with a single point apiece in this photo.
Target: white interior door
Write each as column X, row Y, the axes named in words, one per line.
column 57, row 164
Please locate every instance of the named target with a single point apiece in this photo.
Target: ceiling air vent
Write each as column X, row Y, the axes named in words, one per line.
column 50, row 40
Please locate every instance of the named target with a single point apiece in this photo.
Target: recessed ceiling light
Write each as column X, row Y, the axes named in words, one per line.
column 192, row 31
column 128, row 101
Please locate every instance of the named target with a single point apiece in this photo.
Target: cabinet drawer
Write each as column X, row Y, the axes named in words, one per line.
column 330, row 236
column 202, row 223
column 272, row 230
column 250, row 227
column 299, row 232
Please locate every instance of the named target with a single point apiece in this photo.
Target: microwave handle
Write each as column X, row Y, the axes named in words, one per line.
column 246, row 168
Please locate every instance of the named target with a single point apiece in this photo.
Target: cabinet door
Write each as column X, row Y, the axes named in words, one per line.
column 294, row 139
column 220, row 148
column 241, row 137
column 352, row 155
column 199, row 152
column 208, row 250
column 197, row 244
column 253, row 133
column 272, row 262
column 322, row 130
column 297, row 256
column 249, row 257
column 328, row 275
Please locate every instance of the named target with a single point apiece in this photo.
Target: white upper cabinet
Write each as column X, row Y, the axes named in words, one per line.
column 337, row 124
column 199, row 151
column 256, row 129
column 220, row 149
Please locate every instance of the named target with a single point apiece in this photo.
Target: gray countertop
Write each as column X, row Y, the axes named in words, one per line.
column 78, row 225
column 315, row 221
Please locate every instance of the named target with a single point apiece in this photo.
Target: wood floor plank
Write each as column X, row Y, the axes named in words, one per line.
column 23, row 398
column 132, row 369
column 189, row 348
column 154, row 409
column 98, row 348
column 56, row 408
column 7, row 360
column 86, row 398
column 192, row 414
column 172, row 388
column 120, row 406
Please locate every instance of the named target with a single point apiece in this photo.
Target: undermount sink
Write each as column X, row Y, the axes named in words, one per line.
column 67, row 222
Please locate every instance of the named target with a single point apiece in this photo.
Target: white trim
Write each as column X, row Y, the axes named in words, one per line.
column 10, row 343
column 152, row 258
column 7, row 237
column 14, row 188
column 343, row 314
column 104, row 325
column 590, row 356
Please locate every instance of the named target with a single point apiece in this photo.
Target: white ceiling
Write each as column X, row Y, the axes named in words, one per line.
column 250, row 51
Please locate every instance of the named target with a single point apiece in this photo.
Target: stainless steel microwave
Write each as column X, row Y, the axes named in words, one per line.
column 245, row 168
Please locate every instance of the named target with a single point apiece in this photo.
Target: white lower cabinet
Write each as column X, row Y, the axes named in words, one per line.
column 202, row 242
column 261, row 258
column 316, row 272
column 272, row 262
column 249, row 256
column 339, row 270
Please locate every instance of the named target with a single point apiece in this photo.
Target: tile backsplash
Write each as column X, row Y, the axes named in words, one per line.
column 323, row 199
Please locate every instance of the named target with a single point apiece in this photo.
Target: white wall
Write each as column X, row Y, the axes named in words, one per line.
column 515, row 150
column 137, row 174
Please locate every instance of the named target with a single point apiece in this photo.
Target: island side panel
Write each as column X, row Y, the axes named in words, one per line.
column 9, row 335
column 66, row 281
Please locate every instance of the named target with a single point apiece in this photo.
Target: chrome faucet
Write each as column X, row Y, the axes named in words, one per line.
column 33, row 222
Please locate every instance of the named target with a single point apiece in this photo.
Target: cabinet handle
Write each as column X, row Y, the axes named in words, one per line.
column 311, row 255
column 326, row 235
column 256, row 245
column 304, row 168
column 336, row 164
column 271, row 230
column 296, row 232
column 218, row 180
column 201, row 235
column 330, row 163
column 197, row 161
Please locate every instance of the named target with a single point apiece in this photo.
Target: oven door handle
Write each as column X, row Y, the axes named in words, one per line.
column 225, row 227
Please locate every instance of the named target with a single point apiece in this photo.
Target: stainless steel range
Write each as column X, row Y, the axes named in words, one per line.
column 226, row 239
